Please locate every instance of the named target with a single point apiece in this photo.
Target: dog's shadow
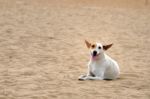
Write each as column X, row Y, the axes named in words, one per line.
column 113, row 79
column 104, row 79
column 108, row 79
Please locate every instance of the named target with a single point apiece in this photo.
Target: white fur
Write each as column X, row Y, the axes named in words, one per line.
column 102, row 68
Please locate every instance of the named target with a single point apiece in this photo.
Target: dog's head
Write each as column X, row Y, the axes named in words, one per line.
column 96, row 49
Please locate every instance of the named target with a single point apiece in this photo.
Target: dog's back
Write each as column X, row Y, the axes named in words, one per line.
column 112, row 68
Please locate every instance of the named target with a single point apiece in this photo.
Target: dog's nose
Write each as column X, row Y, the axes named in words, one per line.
column 94, row 53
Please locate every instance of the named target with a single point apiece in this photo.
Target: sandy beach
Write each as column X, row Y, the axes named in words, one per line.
column 42, row 50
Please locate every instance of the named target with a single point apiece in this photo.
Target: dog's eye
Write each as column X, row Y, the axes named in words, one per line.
column 93, row 46
column 99, row 47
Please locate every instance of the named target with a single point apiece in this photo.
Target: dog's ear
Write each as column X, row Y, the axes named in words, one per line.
column 87, row 44
column 105, row 47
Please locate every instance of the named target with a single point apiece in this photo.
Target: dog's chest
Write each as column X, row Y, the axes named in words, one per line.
column 97, row 68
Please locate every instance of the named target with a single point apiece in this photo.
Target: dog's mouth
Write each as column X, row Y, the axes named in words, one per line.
column 95, row 57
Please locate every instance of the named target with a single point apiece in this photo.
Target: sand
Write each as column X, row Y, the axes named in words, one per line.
column 42, row 50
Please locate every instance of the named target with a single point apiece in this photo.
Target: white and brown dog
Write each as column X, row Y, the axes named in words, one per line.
column 100, row 66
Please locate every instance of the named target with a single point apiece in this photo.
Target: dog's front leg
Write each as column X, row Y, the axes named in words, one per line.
column 83, row 77
column 100, row 76
column 93, row 78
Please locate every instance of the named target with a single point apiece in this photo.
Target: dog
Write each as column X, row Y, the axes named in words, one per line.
column 100, row 66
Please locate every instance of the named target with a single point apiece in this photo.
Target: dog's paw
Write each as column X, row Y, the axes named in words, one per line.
column 82, row 77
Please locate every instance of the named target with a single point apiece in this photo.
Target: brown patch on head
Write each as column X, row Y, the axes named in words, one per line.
column 105, row 47
column 93, row 46
column 90, row 45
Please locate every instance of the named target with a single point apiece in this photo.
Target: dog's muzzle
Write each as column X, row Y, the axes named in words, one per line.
column 95, row 55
